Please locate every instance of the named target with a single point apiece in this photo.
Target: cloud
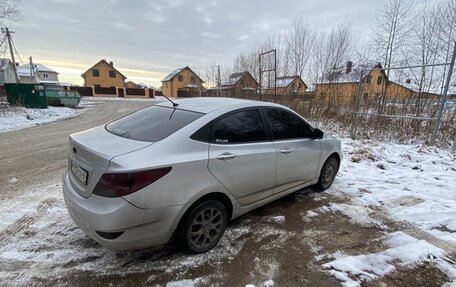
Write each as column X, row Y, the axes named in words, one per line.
column 155, row 13
column 158, row 36
column 207, row 19
column 210, row 35
column 242, row 37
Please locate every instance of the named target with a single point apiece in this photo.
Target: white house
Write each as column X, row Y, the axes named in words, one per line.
column 6, row 72
column 39, row 74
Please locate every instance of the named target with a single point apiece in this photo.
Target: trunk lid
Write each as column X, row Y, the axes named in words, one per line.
column 90, row 154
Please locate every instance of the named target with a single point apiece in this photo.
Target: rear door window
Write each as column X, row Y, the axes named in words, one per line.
column 152, row 124
column 285, row 125
column 239, row 127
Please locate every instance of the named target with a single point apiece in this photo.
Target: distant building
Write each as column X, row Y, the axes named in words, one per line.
column 288, row 85
column 239, row 84
column 38, row 74
column 341, row 85
column 133, row 85
column 6, row 72
column 182, row 82
column 103, row 74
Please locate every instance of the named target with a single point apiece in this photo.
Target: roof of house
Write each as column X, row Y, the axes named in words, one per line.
column 104, row 62
column 339, row 75
column 414, row 85
column 232, row 79
column 285, row 81
column 24, row 70
column 235, row 77
column 174, row 73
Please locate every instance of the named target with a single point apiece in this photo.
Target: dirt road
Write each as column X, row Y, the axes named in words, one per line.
column 285, row 243
column 38, row 155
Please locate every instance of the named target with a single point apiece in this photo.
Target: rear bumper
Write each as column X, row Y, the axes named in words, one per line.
column 141, row 227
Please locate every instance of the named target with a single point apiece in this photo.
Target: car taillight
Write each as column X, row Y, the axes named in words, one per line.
column 120, row 184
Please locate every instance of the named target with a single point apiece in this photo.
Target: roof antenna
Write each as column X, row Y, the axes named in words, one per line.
column 174, row 104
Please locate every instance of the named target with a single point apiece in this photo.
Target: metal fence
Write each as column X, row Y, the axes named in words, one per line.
column 421, row 109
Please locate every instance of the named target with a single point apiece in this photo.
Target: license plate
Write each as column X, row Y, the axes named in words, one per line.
column 79, row 172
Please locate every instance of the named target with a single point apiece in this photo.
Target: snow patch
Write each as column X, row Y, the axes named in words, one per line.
column 186, row 283
column 278, row 219
column 14, row 118
column 357, row 214
column 405, row 250
column 311, row 213
column 416, row 184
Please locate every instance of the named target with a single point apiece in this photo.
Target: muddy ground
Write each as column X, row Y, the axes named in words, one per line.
column 277, row 244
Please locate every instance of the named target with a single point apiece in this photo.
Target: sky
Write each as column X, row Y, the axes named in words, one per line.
column 148, row 39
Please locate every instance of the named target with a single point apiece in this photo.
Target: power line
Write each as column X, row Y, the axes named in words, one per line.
column 17, row 53
column 3, row 41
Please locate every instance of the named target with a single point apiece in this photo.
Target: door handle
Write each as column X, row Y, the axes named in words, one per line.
column 286, row 151
column 226, row 156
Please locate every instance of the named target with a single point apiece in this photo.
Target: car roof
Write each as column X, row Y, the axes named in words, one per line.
column 207, row 104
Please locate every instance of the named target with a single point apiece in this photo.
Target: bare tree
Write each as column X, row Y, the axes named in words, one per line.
column 210, row 75
column 447, row 15
column 300, row 42
column 249, row 61
column 423, row 50
column 392, row 28
column 301, row 51
column 332, row 50
column 9, row 10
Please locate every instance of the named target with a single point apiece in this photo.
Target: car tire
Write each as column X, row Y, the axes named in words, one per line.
column 327, row 174
column 203, row 227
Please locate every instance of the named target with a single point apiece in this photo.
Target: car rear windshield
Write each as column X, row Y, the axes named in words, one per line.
column 152, row 124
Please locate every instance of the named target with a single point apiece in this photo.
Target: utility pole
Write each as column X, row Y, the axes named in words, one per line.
column 260, row 72
column 8, row 35
column 443, row 97
column 219, row 80
column 32, row 76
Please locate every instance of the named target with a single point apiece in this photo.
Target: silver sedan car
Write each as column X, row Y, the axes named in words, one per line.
column 182, row 170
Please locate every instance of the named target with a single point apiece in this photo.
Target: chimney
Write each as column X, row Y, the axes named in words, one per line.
column 111, row 63
column 349, row 67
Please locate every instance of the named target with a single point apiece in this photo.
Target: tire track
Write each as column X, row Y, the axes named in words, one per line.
column 26, row 220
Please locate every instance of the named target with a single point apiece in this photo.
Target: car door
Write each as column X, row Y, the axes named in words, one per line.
column 241, row 157
column 298, row 153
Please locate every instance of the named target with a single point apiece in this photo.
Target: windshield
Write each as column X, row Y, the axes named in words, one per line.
column 152, row 124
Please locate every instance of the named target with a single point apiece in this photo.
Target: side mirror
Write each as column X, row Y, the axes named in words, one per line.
column 318, row 134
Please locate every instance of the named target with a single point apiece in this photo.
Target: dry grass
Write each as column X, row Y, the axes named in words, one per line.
column 331, row 115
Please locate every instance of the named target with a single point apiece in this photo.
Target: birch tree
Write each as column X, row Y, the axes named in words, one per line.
column 392, row 28
column 332, row 50
column 300, row 43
